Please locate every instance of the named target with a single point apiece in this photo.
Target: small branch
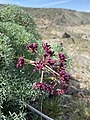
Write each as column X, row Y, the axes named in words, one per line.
column 52, row 70
column 37, row 112
column 50, row 78
column 30, row 62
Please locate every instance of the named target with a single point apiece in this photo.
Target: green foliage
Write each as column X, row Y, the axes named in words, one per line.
column 66, row 108
column 14, row 14
column 17, row 29
column 5, row 48
column 18, row 36
column 14, row 116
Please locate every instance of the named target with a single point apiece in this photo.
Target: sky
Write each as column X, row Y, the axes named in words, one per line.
column 79, row 5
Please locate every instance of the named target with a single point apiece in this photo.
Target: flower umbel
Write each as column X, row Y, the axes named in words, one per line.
column 47, row 49
column 48, row 68
column 39, row 65
column 62, row 57
column 43, row 86
column 50, row 52
column 20, row 62
column 32, row 47
column 50, row 61
column 64, row 76
column 46, row 46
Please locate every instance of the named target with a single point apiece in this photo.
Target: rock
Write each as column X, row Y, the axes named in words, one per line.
column 66, row 35
column 86, row 37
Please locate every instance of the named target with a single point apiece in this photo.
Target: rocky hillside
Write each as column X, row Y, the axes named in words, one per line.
column 61, row 17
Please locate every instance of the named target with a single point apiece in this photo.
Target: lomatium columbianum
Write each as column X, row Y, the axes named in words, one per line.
column 56, row 68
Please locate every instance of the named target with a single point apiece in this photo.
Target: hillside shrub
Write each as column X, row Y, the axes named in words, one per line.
column 6, row 51
column 14, row 14
column 18, row 36
column 16, row 30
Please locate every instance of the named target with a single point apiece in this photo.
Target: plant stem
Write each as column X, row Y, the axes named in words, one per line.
column 52, row 70
column 32, row 63
column 42, row 76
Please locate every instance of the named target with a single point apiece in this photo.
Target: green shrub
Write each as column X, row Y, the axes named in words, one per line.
column 19, row 37
column 6, row 51
column 17, row 29
column 18, row 40
column 14, row 14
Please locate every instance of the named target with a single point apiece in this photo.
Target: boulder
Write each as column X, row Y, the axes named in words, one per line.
column 66, row 35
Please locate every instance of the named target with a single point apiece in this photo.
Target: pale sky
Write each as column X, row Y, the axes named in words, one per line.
column 80, row 5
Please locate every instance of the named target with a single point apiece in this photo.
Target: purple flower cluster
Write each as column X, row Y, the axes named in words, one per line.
column 46, row 46
column 64, row 76
column 32, row 47
column 50, row 62
column 46, row 87
column 39, row 65
column 20, row 62
column 60, row 91
column 47, row 58
column 58, row 67
column 47, row 49
column 62, row 57
column 48, row 54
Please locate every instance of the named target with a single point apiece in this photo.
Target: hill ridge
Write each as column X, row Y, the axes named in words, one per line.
column 60, row 16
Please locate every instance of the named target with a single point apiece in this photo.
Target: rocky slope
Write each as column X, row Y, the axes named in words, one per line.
column 61, row 17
